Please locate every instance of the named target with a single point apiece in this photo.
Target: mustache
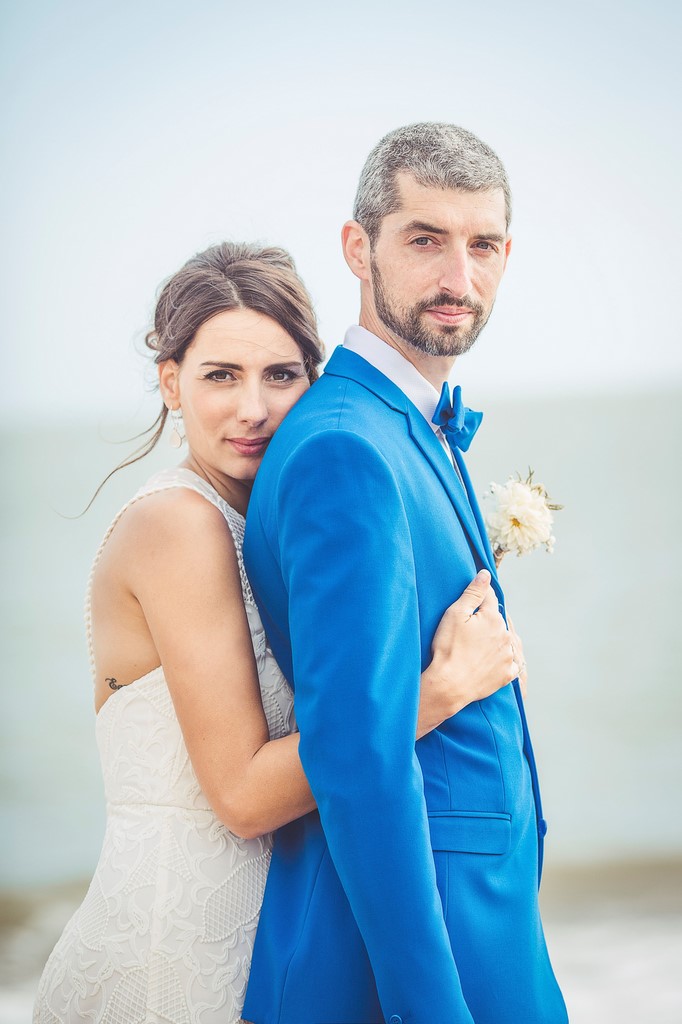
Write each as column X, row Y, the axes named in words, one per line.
column 449, row 300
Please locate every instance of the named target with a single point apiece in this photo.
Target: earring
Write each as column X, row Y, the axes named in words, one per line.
column 177, row 434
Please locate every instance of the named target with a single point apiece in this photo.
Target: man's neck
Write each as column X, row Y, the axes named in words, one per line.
column 435, row 369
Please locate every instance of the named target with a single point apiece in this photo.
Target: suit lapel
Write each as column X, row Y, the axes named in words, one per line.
column 344, row 363
column 473, row 501
column 460, row 494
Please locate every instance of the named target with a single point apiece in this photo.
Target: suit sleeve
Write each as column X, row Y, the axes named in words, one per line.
column 347, row 562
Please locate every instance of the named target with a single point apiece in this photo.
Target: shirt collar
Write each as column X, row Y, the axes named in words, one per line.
column 396, row 367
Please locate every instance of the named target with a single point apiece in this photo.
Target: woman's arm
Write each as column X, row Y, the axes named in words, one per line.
column 183, row 572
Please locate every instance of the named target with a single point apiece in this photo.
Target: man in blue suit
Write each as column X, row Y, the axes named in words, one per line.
column 411, row 897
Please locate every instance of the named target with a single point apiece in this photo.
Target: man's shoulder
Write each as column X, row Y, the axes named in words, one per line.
column 336, row 402
column 336, row 414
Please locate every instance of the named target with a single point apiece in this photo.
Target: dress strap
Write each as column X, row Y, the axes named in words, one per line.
column 174, row 477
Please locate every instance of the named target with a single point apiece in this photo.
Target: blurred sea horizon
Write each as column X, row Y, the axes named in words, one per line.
column 602, row 646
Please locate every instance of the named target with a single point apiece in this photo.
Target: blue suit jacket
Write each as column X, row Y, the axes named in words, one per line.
column 412, row 895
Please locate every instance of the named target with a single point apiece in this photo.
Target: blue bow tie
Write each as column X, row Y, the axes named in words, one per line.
column 458, row 423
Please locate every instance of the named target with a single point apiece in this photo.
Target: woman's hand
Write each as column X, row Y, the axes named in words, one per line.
column 519, row 657
column 473, row 655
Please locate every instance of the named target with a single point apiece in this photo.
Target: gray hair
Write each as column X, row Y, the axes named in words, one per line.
column 437, row 156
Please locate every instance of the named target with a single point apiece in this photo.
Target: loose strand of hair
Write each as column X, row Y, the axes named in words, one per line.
column 139, row 453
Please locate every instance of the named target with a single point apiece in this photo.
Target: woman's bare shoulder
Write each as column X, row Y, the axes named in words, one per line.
column 176, row 521
column 174, row 506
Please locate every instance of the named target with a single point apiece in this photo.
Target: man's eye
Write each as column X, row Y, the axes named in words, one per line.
column 483, row 245
column 422, row 241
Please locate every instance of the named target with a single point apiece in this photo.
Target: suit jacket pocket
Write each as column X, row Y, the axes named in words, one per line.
column 470, row 831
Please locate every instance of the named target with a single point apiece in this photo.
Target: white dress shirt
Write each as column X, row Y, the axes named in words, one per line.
column 402, row 373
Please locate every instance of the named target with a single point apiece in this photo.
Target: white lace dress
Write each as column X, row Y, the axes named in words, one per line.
column 166, row 930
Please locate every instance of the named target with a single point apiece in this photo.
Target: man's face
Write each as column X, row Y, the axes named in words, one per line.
column 436, row 266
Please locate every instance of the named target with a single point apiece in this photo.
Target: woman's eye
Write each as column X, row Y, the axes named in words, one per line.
column 219, row 375
column 282, row 376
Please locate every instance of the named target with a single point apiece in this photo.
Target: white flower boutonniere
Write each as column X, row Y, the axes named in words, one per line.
column 518, row 517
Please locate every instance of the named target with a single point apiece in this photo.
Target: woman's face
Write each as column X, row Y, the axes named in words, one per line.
column 240, row 376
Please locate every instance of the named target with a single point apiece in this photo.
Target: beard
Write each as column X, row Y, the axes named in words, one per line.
column 406, row 322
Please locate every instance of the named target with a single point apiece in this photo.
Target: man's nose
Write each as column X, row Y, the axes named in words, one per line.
column 456, row 275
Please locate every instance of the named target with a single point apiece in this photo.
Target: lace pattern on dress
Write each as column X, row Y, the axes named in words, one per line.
column 166, row 930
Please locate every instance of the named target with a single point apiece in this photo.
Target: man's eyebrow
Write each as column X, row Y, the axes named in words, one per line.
column 432, row 229
column 421, row 225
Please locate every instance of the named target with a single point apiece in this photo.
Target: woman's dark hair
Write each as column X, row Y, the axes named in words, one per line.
column 232, row 275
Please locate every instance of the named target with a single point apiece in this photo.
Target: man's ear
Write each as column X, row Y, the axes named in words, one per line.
column 507, row 250
column 356, row 249
column 169, row 383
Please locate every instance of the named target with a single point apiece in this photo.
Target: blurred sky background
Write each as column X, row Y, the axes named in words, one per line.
column 137, row 133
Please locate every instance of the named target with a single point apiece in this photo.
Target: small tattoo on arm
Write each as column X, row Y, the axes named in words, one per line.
column 113, row 685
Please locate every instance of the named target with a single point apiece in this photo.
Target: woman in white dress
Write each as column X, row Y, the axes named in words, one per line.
column 195, row 722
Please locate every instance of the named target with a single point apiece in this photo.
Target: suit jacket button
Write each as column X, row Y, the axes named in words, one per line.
column 542, row 827
column 395, row 1019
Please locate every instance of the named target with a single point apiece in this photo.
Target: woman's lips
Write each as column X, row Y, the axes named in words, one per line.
column 249, row 445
